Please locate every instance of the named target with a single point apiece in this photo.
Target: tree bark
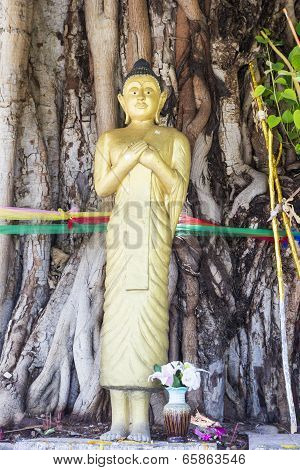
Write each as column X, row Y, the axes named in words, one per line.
column 15, row 29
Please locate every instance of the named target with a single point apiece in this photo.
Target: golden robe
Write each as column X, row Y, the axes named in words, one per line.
column 134, row 334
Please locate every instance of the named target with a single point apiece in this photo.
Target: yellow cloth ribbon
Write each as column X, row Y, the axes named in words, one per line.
column 14, row 213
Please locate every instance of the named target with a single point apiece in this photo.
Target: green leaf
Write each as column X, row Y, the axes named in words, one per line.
column 259, row 90
column 278, row 95
column 49, row 431
column 289, row 94
column 296, row 117
column 157, row 368
column 287, row 117
column 293, row 134
column 294, row 58
column 279, row 136
column 284, row 72
column 296, row 62
column 297, row 148
column 176, row 382
column 273, row 121
column 267, row 31
column 298, row 28
column 281, row 80
column 278, row 42
column 267, row 92
column 278, row 66
column 261, row 40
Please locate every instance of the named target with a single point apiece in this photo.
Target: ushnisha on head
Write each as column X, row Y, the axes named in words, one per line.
column 142, row 98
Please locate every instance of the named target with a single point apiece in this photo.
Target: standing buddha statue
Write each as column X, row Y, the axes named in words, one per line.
column 146, row 167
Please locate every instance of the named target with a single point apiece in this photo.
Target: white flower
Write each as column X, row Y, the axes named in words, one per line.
column 166, row 375
column 189, row 365
column 177, row 365
column 191, row 376
column 156, row 375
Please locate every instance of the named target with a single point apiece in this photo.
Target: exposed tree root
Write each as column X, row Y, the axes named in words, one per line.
column 201, row 179
column 75, row 338
column 15, row 28
column 14, row 389
column 139, row 37
column 259, row 185
column 102, row 31
column 231, row 142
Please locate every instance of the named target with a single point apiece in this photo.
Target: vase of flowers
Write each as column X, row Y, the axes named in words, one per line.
column 177, row 378
column 177, row 415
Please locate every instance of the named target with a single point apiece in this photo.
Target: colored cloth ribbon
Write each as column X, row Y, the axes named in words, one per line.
column 89, row 222
column 287, row 207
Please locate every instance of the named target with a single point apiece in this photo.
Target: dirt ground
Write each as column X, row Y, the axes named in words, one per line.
column 45, row 426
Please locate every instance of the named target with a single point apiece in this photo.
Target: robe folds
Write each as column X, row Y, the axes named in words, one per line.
column 134, row 333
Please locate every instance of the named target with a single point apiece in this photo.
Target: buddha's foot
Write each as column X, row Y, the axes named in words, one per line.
column 115, row 433
column 140, row 433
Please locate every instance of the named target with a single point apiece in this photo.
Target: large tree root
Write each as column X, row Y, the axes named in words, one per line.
column 34, row 289
column 200, row 177
column 76, row 337
column 15, row 26
column 258, row 186
column 14, row 386
column 48, row 354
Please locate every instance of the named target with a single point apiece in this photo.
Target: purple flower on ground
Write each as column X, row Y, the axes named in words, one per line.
column 219, row 432
column 203, row 436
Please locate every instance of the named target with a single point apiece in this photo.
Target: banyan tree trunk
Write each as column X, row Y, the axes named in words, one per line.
column 62, row 65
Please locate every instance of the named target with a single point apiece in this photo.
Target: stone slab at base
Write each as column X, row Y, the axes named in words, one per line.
column 93, row 444
column 6, row 446
column 273, row 441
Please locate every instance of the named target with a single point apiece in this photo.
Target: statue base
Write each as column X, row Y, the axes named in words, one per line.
column 94, row 444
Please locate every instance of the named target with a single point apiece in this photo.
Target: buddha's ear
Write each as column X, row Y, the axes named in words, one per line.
column 123, row 105
column 162, row 100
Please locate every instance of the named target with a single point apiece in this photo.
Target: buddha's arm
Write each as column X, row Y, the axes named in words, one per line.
column 164, row 173
column 181, row 164
column 107, row 179
column 169, row 176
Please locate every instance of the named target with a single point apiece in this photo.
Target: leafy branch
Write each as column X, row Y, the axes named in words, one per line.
column 284, row 89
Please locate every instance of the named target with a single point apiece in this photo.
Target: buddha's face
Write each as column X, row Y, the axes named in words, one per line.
column 142, row 99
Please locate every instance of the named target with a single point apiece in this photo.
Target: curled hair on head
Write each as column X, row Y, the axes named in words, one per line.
column 142, row 67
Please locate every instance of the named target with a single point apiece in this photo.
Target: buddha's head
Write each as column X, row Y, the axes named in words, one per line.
column 142, row 98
